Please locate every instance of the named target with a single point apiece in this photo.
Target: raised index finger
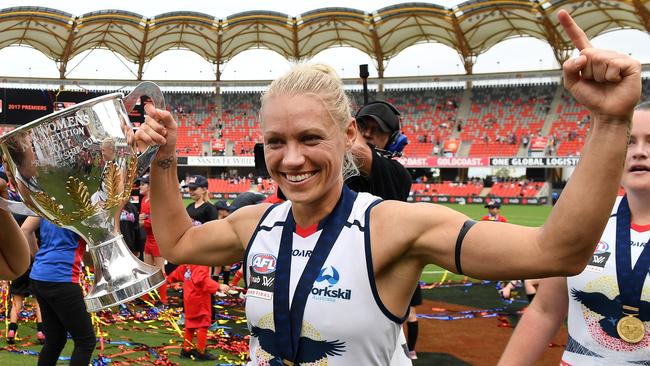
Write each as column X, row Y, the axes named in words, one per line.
column 575, row 33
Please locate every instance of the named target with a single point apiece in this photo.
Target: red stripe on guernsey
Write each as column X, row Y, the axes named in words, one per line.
column 640, row 228
column 306, row 231
column 563, row 363
column 78, row 255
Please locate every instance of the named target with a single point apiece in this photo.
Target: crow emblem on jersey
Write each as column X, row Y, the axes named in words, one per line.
column 312, row 350
column 610, row 310
column 309, row 351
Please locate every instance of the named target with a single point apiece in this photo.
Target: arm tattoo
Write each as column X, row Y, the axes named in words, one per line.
column 165, row 163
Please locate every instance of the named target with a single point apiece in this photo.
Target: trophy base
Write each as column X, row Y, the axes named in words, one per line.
column 100, row 299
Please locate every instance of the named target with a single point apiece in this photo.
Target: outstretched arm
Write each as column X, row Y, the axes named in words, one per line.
column 538, row 325
column 609, row 85
column 14, row 251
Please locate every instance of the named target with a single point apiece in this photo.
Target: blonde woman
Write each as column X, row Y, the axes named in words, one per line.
column 312, row 262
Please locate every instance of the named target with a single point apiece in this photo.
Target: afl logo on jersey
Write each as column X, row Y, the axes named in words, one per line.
column 601, row 247
column 264, row 263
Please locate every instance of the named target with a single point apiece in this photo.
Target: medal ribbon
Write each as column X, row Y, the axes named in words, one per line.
column 288, row 319
column 630, row 280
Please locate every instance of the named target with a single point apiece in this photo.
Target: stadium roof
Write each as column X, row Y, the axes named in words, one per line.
column 470, row 28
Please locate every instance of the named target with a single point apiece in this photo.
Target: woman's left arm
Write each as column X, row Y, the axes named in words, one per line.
column 14, row 251
column 609, row 85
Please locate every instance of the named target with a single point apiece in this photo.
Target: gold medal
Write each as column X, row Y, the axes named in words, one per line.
column 630, row 329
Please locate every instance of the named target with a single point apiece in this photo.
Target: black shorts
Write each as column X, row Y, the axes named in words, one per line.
column 20, row 286
column 417, row 297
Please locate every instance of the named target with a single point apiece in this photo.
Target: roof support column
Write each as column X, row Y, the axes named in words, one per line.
column 143, row 49
column 379, row 58
column 63, row 62
column 643, row 14
column 218, row 63
column 469, row 58
column 218, row 102
column 561, row 50
column 380, row 77
column 296, row 44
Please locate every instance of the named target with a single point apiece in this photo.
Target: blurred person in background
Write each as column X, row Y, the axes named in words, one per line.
column 200, row 210
column 151, row 251
column 55, row 281
column 222, row 209
column 494, row 212
column 130, row 228
column 197, row 308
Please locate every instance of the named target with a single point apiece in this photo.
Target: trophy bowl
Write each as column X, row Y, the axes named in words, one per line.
column 75, row 168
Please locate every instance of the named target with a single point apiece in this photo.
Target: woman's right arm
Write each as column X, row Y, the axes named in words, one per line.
column 538, row 325
column 214, row 243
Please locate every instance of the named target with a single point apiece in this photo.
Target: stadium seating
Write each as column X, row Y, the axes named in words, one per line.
column 240, row 121
column 492, row 125
column 500, row 116
column 229, row 185
column 447, row 188
column 569, row 130
column 196, row 117
column 428, row 116
column 515, row 189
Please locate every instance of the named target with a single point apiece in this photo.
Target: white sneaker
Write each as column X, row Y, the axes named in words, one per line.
column 413, row 355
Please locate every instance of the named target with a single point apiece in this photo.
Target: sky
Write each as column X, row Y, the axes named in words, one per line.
column 420, row 59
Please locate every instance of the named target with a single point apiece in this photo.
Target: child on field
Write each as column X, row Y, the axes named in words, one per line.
column 197, row 305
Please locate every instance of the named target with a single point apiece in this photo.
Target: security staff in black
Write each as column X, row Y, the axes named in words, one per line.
column 379, row 142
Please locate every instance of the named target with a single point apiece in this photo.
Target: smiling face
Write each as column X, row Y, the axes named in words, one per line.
column 636, row 174
column 304, row 148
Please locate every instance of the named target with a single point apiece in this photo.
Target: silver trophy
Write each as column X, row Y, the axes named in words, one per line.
column 76, row 167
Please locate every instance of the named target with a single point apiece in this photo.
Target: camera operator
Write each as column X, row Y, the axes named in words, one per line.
column 379, row 142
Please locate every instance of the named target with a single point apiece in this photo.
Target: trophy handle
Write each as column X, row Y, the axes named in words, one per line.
column 17, row 208
column 147, row 88
column 153, row 91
